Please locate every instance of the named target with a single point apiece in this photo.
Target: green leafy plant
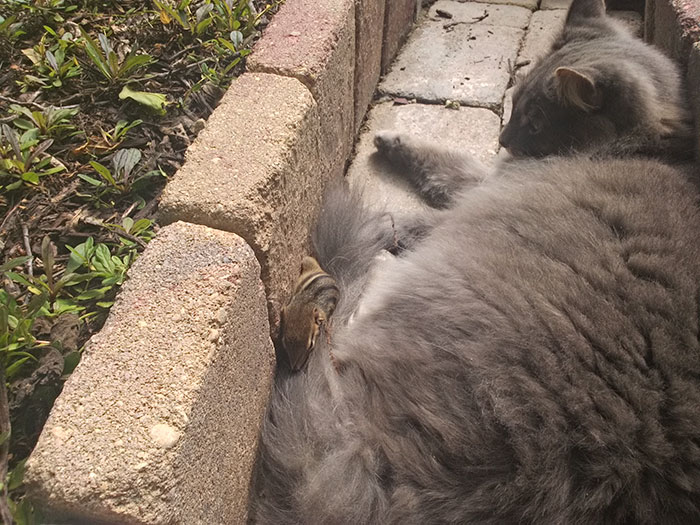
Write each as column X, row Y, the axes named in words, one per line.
column 51, row 122
column 119, row 180
column 47, row 8
column 141, row 229
column 98, row 272
column 109, row 139
column 91, row 274
column 16, row 322
column 153, row 101
column 233, row 15
column 52, row 65
column 48, row 285
column 23, row 158
column 182, row 15
column 10, row 28
column 107, row 62
column 117, row 134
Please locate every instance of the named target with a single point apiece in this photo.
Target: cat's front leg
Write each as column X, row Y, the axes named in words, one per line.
column 437, row 173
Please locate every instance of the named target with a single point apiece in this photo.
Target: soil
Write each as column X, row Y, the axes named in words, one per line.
column 191, row 70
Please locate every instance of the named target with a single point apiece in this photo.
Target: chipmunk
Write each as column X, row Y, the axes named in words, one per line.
column 311, row 305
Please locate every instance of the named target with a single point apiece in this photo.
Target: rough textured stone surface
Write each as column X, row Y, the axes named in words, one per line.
column 398, row 21
column 369, row 30
column 544, row 28
column 159, row 422
column 627, row 5
column 255, row 170
column 482, row 14
column 693, row 80
column 464, row 58
column 472, row 130
column 555, row 4
column 314, row 41
column 507, row 107
column 530, row 4
column 673, row 26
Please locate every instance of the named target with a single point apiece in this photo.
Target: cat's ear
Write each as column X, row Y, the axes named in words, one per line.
column 582, row 11
column 577, row 89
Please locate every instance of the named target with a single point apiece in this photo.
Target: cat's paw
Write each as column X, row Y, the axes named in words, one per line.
column 388, row 142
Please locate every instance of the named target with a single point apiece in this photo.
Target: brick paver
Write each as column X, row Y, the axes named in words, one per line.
column 464, row 58
column 473, row 130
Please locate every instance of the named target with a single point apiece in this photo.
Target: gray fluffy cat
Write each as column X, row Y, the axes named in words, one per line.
column 531, row 355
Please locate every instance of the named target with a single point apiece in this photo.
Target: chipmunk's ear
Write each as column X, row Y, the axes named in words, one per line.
column 283, row 314
column 578, row 89
column 319, row 316
column 309, row 264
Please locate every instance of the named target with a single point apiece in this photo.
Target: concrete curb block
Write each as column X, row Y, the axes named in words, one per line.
column 369, row 32
column 399, row 16
column 261, row 181
column 674, row 26
column 314, row 42
column 693, row 81
column 159, row 421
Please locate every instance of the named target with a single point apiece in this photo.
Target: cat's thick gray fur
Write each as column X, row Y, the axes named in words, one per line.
column 533, row 357
column 637, row 91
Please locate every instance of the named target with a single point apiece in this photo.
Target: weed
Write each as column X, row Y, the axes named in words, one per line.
column 110, row 139
column 10, row 28
column 23, row 159
column 108, row 63
column 153, row 101
column 117, row 134
column 51, row 64
column 16, row 322
column 98, row 272
column 51, row 122
column 50, row 9
column 118, row 179
column 141, row 229
column 181, row 14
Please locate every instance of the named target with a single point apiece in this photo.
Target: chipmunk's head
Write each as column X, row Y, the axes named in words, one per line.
column 299, row 329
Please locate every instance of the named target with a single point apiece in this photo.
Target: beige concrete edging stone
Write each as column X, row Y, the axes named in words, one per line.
column 369, row 30
column 158, row 423
column 399, row 16
column 693, row 81
column 314, row 42
column 674, row 26
column 255, row 170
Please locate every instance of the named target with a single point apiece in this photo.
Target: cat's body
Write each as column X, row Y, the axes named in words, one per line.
column 532, row 357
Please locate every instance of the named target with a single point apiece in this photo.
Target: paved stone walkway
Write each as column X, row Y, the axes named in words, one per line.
column 463, row 51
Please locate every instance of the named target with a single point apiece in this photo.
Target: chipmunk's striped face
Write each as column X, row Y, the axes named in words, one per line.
column 300, row 331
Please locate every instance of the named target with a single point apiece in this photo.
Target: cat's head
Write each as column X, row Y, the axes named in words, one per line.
column 598, row 86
